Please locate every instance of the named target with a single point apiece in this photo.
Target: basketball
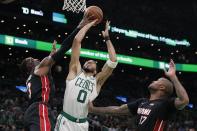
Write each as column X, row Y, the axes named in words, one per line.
column 95, row 12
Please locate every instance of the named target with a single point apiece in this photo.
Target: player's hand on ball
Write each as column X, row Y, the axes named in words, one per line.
column 106, row 32
column 86, row 19
column 172, row 70
column 90, row 24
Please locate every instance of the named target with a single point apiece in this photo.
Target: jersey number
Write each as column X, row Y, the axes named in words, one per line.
column 82, row 96
column 142, row 119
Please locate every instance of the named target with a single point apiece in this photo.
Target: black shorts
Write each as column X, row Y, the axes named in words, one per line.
column 38, row 117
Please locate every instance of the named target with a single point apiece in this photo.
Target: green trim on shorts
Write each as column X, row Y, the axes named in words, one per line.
column 73, row 119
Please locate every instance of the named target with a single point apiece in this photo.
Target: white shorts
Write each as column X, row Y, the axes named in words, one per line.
column 63, row 124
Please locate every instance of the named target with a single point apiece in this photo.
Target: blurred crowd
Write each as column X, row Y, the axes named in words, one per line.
column 13, row 106
column 12, row 111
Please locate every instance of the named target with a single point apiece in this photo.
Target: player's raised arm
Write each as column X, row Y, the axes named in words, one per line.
column 111, row 63
column 46, row 63
column 181, row 93
column 75, row 66
column 54, row 56
column 113, row 110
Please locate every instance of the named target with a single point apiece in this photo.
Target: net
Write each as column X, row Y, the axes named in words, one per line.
column 74, row 5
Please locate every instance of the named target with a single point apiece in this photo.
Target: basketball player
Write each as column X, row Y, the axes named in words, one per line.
column 41, row 87
column 83, row 84
column 153, row 113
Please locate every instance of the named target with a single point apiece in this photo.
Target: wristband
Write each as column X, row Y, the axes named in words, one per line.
column 111, row 64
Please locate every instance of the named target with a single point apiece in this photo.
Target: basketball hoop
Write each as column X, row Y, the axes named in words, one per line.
column 75, row 6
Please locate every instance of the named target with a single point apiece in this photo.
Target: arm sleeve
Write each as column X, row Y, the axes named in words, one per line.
column 66, row 45
column 133, row 106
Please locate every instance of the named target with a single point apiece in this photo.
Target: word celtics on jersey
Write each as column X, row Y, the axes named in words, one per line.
column 78, row 93
column 86, row 85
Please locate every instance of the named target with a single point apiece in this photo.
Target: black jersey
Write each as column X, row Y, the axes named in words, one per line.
column 151, row 115
column 40, row 88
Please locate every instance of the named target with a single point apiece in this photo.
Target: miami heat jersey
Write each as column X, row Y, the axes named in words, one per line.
column 78, row 93
column 151, row 115
column 40, row 88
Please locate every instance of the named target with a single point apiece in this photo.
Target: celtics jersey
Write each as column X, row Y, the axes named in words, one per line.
column 78, row 93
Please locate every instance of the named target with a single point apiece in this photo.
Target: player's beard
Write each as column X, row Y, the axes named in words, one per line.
column 33, row 65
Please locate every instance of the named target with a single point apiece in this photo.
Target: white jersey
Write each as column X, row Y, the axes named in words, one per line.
column 78, row 93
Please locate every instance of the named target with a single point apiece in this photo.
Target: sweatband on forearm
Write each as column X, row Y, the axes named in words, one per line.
column 112, row 64
column 66, row 45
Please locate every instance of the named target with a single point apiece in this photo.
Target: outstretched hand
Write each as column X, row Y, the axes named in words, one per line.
column 53, row 47
column 86, row 19
column 90, row 24
column 80, row 35
column 106, row 31
column 171, row 71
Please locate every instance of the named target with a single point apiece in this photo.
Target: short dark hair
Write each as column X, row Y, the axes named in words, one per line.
column 23, row 66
